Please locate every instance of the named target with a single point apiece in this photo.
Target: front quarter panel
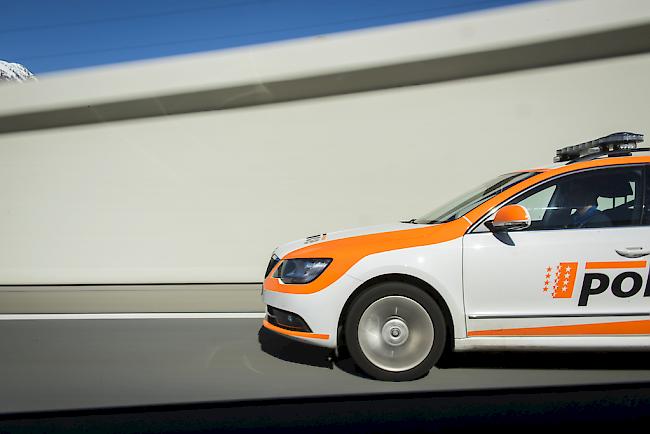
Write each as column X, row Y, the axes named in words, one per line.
column 431, row 253
column 439, row 265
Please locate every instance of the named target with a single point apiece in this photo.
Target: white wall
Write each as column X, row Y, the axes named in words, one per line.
column 205, row 197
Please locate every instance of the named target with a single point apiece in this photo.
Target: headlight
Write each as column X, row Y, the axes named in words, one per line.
column 301, row 270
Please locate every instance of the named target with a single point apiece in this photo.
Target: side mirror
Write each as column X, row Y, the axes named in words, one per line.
column 511, row 218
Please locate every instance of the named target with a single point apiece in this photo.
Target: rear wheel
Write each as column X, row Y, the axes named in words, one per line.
column 395, row 331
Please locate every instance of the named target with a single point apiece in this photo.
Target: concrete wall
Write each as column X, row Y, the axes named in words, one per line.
column 206, row 197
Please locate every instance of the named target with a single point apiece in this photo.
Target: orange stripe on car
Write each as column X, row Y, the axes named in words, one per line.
column 641, row 327
column 615, row 264
column 275, row 328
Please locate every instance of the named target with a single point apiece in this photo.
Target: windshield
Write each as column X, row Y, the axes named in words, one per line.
column 473, row 198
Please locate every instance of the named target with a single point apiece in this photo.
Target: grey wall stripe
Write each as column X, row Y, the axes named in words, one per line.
column 607, row 44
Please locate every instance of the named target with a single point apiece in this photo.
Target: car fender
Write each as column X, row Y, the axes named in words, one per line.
column 439, row 265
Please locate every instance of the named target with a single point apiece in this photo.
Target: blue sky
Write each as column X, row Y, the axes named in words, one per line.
column 49, row 35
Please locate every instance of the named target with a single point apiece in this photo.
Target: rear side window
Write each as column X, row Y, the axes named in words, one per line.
column 597, row 198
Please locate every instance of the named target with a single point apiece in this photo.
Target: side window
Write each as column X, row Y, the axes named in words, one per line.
column 537, row 203
column 598, row 198
column 646, row 208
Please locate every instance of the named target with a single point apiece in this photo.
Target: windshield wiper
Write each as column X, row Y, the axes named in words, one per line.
column 409, row 221
column 453, row 217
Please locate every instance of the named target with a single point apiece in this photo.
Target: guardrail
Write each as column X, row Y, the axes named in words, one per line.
column 166, row 298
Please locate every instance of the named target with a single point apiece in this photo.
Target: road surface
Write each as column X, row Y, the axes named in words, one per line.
column 73, row 364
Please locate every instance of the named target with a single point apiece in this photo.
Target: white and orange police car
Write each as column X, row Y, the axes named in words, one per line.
column 547, row 258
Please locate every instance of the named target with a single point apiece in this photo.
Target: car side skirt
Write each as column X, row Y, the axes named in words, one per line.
column 564, row 343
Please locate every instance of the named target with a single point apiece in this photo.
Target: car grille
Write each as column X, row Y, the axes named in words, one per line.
column 286, row 320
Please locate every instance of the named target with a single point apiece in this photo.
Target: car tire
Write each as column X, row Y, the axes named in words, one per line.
column 395, row 331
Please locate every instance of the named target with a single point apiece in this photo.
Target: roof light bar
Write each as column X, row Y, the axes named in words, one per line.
column 613, row 142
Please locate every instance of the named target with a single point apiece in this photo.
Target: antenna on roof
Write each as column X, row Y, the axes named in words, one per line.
column 614, row 142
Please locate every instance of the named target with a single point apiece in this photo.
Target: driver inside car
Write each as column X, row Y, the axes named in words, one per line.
column 584, row 199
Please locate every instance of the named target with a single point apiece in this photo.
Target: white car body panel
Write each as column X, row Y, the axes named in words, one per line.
column 508, row 281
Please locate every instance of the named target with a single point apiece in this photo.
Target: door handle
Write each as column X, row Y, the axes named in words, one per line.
column 633, row 252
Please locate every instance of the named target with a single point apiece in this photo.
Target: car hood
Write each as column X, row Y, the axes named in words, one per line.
column 311, row 240
column 346, row 248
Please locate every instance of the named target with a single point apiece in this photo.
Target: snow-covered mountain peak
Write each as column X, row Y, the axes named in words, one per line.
column 14, row 72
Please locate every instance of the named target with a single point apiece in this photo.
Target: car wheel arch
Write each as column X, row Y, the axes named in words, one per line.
column 397, row 277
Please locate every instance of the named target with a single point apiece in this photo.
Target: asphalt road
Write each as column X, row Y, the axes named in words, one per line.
column 72, row 364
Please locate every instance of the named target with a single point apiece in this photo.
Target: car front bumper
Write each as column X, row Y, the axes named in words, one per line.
column 320, row 311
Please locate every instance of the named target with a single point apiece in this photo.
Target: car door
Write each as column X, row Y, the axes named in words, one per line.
column 562, row 275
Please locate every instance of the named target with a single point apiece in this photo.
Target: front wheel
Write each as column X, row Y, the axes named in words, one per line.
column 395, row 331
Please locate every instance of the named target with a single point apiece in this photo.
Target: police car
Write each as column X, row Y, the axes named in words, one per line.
column 549, row 258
